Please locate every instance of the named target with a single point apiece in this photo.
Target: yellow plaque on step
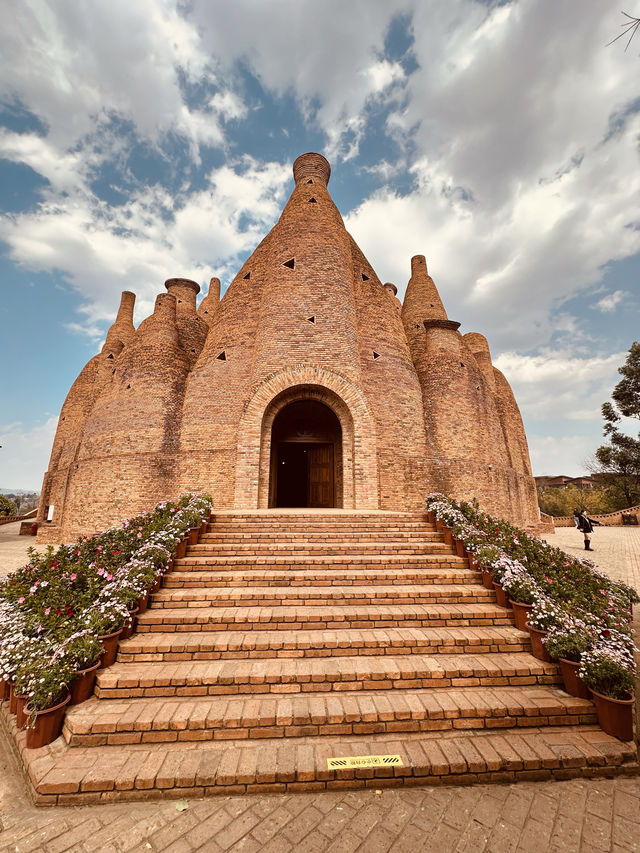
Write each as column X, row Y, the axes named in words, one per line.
column 364, row 761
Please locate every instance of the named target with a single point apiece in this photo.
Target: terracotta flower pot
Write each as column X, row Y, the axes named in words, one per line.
column 538, row 648
column 573, row 684
column 143, row 603
column 155, row 587
column 461, row 551
column 501, row 595
column 129, row 626
column 4, row 689
column 431, row 517
column 181, row 548
column 204, row 527
column 47, row 725
column 110, row 645
column 521, row 613
column 21, row 713
column 12, row 698
column 169, row 567
column 487, row 579
column 194, row 535
column 615, row 716
column 82, row 684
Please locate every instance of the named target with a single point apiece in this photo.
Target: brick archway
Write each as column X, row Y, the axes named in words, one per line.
column 359, row 459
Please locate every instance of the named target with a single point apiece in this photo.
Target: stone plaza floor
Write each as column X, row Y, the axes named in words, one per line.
column 560, row 817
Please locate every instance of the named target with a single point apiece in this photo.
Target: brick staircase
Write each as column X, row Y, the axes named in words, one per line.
column 284, row 639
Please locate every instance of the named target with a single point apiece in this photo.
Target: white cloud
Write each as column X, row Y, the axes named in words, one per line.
column 552, row 455
column 155, row 235
column 610, row 302
column 25, row 452
column 560, row 386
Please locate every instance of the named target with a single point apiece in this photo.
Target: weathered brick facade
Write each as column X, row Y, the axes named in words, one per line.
column 189, row 399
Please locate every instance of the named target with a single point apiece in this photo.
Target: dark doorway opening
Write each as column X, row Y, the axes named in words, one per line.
column 306, row 456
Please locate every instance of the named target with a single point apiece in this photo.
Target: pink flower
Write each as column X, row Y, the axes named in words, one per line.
column 21, row 599
column 33, row 589
column 139, row 535
column 47, row 611
column 100, row 571
column 109, row 577
column 44, row 583
column 73, row 576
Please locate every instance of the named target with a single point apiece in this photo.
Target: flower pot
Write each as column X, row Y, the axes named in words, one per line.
column 521, row 613
column 615, row 716
column 5, row 688
column 181, row 548
column 461, row 551
column 538, row 648
column 204, row 527
column 82, row 684
column 47, row 725
column 21, row 713
column 487, row 579
column 143, row 603
column 129, row 626
column 169, row 567
column 12, row 698
column 501, row 595
column 193, row 535
column 110, row 646
column 573, row 684
column 155, row 587
column 431, row 517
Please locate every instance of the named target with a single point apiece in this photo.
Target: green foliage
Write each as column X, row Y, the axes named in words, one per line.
column 562, row 501
column 571, row 644
column 7, row 506
column 618, row 462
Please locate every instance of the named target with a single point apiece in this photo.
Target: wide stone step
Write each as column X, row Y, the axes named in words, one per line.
column 446, row 560
column 318, row 577
column 295, row 617
column 218, row 536
column 312, row 596
column 119, row 721
column 191, row 770
column 304, row 675
column 216, row 645
column 327, row 548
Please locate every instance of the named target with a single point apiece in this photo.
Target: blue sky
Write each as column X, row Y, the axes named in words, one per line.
column 141, row 141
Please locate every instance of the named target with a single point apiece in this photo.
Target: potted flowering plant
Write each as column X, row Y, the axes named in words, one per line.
column 543, row 617
column 82, row 652
column 568, row 644
column 608, row 669
column 523, row 592
column 105, row 619
column 46, row 684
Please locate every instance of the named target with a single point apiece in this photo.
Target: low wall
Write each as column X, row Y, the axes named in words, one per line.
column 609, row 519
column 8, row 519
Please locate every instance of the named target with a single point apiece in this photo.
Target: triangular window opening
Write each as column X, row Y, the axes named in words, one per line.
column 365, row 277
column 110, row 355
column 222, row 356
column 311, row 319
column 128, row 386
column 309, row 181
column 247, row 276
column 291, row 264
column 376, row 355
column 312, row 201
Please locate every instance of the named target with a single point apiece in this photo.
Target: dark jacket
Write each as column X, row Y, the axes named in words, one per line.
column 586, row 524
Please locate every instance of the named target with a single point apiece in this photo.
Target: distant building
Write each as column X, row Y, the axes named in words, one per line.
column 308, row 385
column 560, row 481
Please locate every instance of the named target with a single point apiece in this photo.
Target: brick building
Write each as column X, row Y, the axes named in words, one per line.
column 308, row 385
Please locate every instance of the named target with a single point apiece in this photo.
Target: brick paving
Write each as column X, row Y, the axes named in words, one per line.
column 561, row 816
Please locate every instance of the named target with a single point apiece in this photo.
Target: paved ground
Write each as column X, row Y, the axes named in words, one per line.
column 559, row 817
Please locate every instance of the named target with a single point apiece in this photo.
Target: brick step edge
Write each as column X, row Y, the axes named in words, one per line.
column 108, row 723
column 199, row 597
column 220, row 578
column 161, row 771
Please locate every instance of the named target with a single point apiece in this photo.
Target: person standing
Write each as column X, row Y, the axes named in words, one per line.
column 585, row 524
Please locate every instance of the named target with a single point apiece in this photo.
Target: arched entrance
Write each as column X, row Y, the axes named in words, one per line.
column 306, row 456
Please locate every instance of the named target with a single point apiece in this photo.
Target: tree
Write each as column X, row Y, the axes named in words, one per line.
column 631, row 25
column 618, row 462
column 7, row 507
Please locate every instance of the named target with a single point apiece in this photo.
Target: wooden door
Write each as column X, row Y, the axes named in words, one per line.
column 321, row 475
